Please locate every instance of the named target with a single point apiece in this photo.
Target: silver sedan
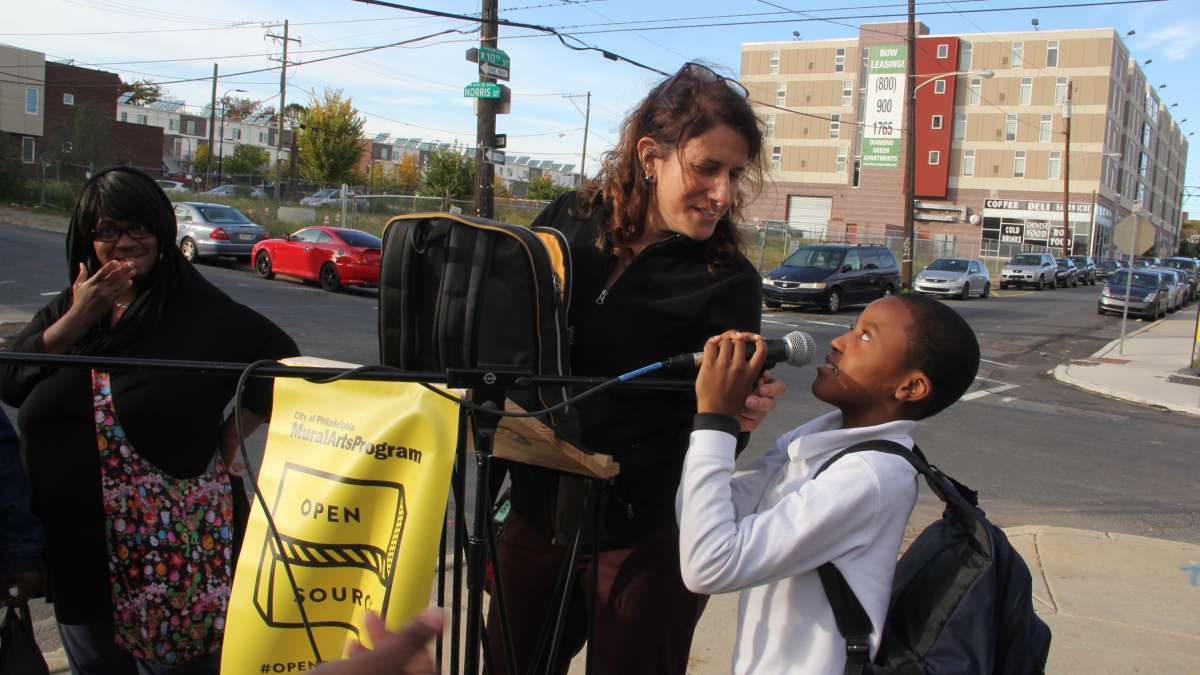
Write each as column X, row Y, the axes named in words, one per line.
column 215, row 230
column 955, row 277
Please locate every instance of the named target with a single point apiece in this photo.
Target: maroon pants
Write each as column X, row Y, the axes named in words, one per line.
column 644, row 615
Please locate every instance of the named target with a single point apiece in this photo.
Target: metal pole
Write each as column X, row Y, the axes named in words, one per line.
column 1129, row 281
column 221, row 147
column 1092, row 237
column 282, row 107
column 485, row 125
column 1068, row 248
column 212, row 123
column 910, row 145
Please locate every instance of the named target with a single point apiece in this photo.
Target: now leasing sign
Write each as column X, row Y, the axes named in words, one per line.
column 884, row 116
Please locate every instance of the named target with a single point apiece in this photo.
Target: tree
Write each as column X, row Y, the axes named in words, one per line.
column 408, row 174
column 328, row 140
column 247, row 160
column 200, row 160
column 499, row 189
column 449, row 171
column 544, row 189
column 143, row 92
column 238, row 109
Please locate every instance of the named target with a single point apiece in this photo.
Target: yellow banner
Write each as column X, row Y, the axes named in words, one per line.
column 356, row 476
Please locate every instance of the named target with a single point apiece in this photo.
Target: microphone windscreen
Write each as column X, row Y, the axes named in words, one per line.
column 801, row 347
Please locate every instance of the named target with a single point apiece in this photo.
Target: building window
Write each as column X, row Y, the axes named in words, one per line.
column 1018, row 54
column 960, row 126
column 1026, row 90
column 856, row 179
column 1139, row 193
column 770, row 125
column 968, row 167
column 1019, row 164
column 841, row 161
column 774, row 60
column 939, row 87
column 936, row 122
column 1060, row 90
column 1053, row 166
column 776, row 157
column 1145, row 134
column 172, row 124
column 1044, row 128
column 943, row 51
column 262, row 137
column 68, row 99
column 865, row 68
column 781, row 94
column 235, row 133
column 847, row 92
column 964, row 55
column 1052, row 54
column 386, row 153
column 27, row 150
column 142, row 119
column 1010, row 127
column 976, row 87
column 839, row 60
column 1142, row 163
column 191, row 126
column 935, row 157
column 31, row 100
column 124, row 116
column 835, row 126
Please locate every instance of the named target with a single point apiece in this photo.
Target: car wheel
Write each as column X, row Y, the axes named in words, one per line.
column 329, row 278
column 833, row 302
column 1074, row 283
column 966, row 292
column 889, row 290
column 987, row 290
column 1041, row 283
column 188, row 248
column 772, row 304
column 263, row 266
column 1100, row 311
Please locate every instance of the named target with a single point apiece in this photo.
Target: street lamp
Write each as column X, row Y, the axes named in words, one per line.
column 221, row 148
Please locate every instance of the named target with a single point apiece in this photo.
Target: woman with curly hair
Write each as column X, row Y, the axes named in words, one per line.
column 658, row 269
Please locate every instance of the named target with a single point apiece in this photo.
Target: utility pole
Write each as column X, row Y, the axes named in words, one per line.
column 485, row 126
column 212, row 123
column 910, row 150
column 587, row 115
column 282, row 105
column 1068, row 238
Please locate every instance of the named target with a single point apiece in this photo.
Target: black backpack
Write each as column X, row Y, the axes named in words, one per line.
column 463, row 292
column 962, row 598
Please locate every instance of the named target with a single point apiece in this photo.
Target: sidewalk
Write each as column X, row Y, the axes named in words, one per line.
column 1116, row 604
column 48, row 220
column 1142, row 373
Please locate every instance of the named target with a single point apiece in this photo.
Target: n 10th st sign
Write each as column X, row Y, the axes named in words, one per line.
column 493, row 56
column 886, row 84
column 482, row 90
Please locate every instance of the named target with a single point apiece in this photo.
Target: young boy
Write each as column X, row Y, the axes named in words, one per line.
column 764, row 531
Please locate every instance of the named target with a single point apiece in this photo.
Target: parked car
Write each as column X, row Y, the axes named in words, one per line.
column 1065, row 274
column 1147, row 296
column 324, row 197
column 172, row 186
column 1029, row 269
column 832, row 276
column 1086, row 268
column 334, row 256
column 960, row 277
column 1191, row 268
column 1105, row 269
column 237, row 191
column 1140, row 262
column 215, row 230
column 1176, row 287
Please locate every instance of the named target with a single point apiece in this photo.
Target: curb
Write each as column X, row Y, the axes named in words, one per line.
column 1060, row 374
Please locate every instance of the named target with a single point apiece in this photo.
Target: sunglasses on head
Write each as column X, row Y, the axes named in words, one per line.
column 706, row 74
column 107, row 232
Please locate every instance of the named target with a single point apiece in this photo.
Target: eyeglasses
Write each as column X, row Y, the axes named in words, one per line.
column 706, row 74
column 107, row 233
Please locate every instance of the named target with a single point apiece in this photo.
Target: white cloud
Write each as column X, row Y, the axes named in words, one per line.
column 1178, row 41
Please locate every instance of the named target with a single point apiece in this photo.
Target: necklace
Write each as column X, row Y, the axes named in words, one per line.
column 121, row 306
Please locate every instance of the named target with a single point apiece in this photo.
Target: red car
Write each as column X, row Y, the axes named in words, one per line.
column 334, row 256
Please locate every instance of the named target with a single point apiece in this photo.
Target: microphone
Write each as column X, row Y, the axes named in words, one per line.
column 795, row 349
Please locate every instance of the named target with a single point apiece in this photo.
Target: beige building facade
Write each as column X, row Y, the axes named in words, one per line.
column 990, row 155
column 22, row 101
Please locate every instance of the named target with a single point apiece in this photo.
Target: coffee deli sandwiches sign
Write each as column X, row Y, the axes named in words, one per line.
column 356, row 476
column 1034, row 222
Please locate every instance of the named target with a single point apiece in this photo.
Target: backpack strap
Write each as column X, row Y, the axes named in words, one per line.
column 853, row 622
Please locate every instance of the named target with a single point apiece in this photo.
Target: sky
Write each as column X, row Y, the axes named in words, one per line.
column 415, row 90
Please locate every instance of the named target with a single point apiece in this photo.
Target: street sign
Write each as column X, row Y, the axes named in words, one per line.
column 482, row 90
column 493, row 56
column 884, row 117
column 501, row 141
column 493, row 156
column 498, row 72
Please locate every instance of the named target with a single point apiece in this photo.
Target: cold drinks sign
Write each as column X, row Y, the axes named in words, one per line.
column 886, row 83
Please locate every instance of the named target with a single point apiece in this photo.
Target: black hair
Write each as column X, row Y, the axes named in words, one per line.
column 119, row 193
column 943, row 346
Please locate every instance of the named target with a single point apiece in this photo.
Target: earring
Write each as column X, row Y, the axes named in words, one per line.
column 649, row 178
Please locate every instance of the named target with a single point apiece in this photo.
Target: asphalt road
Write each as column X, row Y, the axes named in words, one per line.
column 1038, row 452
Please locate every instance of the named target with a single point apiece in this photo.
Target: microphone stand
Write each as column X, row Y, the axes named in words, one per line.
column 487, row 391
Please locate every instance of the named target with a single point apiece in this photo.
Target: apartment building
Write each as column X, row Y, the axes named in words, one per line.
column 22, row 104
column 990, row 155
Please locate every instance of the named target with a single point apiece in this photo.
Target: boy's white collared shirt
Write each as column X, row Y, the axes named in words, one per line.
column 765, row 530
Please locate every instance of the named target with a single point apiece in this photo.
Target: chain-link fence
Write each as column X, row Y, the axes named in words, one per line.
column 768, row 242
